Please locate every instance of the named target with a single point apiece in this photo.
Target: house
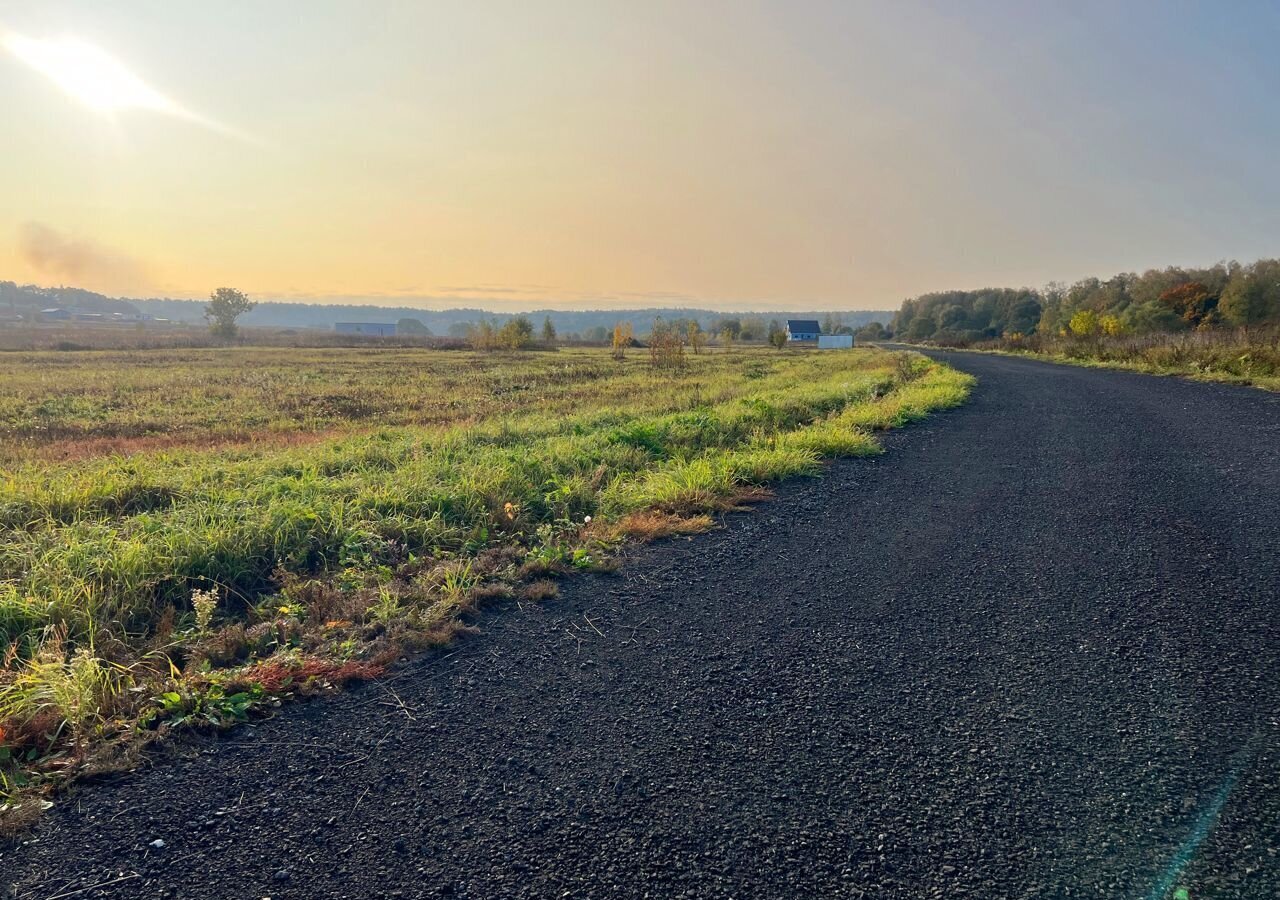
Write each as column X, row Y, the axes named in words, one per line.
column 803, row 329
column 57, row 314
column 370, row 329
column 835, row 342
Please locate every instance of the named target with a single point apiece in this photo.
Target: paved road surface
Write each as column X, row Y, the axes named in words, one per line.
column 1032, row 651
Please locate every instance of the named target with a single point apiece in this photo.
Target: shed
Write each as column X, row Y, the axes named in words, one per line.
column 803, row 329
column 835, row 342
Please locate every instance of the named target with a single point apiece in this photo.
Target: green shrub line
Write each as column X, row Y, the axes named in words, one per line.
column 185, row 587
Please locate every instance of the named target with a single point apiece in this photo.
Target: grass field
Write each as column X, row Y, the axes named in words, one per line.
column 185, row 535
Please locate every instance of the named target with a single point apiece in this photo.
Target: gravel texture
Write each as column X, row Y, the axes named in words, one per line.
column 1032, row 651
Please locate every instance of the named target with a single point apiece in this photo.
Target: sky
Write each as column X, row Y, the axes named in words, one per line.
column 736, row 155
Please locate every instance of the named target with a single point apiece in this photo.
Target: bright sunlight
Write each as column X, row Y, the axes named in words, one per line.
column 89, row 74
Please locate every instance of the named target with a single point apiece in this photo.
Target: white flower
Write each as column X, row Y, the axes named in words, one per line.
column 586, row 520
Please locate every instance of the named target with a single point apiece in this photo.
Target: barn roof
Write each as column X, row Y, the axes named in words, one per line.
column 803, row 326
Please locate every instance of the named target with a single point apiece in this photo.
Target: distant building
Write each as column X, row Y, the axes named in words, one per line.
column 370, row 329
column 835, row 342
column 57, row 314
column 803, row 329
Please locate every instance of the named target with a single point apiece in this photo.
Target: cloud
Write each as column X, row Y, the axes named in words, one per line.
column 78, row 260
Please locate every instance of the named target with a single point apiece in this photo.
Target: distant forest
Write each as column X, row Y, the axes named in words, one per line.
column 27, row 300
column 1172, row 299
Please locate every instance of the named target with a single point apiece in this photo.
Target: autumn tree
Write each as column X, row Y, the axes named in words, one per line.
column 666, row 347
column 1084, row 323
column 548, row 332
column 621, row 339
column 1193, row 303
column 1111, row 326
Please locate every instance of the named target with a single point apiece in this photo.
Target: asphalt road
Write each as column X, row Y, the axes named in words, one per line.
column 1032, row 651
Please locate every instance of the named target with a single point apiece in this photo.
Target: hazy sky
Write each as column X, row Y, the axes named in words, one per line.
column 740, row 154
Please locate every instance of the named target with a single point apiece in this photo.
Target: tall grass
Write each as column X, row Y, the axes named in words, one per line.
column 128, row 580
column 1222, row 354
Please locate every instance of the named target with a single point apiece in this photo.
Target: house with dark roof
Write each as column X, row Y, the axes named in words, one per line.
column 803, row 329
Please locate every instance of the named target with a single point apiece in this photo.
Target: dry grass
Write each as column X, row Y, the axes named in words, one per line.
column 651, row 525
column 1233, row 356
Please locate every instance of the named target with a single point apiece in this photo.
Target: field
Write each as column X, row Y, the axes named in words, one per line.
column 185, row 535
column 76, row 337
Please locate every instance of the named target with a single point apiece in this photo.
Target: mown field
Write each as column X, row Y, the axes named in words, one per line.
column 187, row 535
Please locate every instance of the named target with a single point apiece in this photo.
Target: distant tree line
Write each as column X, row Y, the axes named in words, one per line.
column 1172, row 299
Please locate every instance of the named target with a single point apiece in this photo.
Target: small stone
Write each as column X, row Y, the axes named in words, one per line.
column 157, row 844
column 282, row 875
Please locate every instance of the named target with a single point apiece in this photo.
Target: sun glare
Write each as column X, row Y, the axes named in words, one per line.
column 89, row 74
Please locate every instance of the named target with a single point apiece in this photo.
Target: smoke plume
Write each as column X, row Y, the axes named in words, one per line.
column 78, row 261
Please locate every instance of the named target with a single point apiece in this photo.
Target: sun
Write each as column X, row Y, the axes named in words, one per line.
column 89, row 74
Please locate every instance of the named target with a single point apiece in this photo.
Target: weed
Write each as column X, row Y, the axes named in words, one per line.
column 204, row 602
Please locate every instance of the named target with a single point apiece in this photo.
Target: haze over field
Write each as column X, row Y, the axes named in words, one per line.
column 717, row 155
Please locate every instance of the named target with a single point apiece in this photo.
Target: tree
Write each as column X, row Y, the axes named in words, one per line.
column 1111, row 325
column 1252, row 297
column 666, row 348
column 752, row 330
column 224, row 307
column 731, row 325
column 697, row 337
column 953, row 318
column 727, row 337
column 621, row 339
column 412, row 326
column 872, row 331
column 516, row 334
column 460, row 329
column 921, row 328
column 777, row 334
column 1084, row 323
column 1193, row 302
column 548, row 332
column 483, row 336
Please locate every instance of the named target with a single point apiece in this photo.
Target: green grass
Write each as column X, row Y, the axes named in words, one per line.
column 334, row 538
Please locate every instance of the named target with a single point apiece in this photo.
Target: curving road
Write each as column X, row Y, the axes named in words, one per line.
column 1032, row 651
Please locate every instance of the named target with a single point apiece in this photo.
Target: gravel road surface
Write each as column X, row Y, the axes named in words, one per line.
column 1031, row 651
